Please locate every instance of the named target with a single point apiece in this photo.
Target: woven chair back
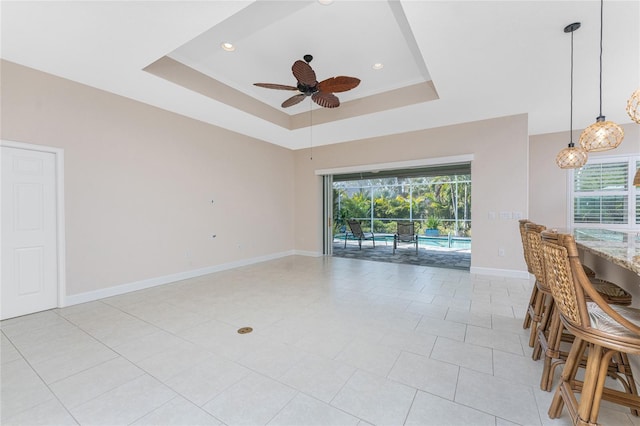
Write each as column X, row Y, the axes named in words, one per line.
column 534, row 245
column 559, row 276
column 525, row 247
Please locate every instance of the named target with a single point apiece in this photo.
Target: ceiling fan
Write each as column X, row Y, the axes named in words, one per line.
column 321, row 93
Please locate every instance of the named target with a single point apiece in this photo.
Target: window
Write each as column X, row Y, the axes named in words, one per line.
column 603, row 194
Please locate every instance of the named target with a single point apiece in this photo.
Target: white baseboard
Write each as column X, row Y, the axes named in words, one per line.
column 308, row 253
column 90, row 296
column 507, row 273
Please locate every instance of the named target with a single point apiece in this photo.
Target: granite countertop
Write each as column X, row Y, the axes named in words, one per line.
column 619, row 247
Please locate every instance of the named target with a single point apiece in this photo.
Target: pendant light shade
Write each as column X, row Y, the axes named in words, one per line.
column 601, row 135
column 571, row 157
column 636, row 179
column 633, row 107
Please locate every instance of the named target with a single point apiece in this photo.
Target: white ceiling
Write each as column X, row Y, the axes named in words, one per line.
column 485, row 59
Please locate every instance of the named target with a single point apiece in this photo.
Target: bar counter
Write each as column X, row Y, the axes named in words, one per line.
column 619, row 247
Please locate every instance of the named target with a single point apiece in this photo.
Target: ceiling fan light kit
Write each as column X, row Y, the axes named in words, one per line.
column 571, row 157
column 601, row 135
column 322, row 93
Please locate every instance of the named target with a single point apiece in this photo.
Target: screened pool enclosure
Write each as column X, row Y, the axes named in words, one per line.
column 437, row 199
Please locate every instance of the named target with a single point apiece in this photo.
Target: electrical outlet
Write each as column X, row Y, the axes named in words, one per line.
column 492, row 215
column 501, row 252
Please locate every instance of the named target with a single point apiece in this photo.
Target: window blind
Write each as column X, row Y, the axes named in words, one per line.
column 602, row 177
column 603, row 193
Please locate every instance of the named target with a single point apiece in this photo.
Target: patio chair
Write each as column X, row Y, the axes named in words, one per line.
column 357, row 232
column 405, row 233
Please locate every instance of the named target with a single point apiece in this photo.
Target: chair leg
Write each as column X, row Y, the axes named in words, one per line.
column 624, row 368
column 568, row 376
column 527, row 318
column 589, row 387
column 552, row 352
column 538, row 307
column 602, row 375
column 543, row 326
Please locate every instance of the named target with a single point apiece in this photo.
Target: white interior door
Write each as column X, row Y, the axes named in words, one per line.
column 29, row 234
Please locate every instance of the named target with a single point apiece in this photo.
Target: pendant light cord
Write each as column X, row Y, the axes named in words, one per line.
column 571, row 97
column 601, row 25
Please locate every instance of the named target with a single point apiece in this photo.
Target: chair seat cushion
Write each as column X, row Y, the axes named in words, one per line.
column 603, row 322
column 612, row 293
column 608, row 288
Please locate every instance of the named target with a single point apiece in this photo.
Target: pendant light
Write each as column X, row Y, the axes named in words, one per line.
column 571, row 157
column 601, row 135
column 636, row 178
column 633, row 107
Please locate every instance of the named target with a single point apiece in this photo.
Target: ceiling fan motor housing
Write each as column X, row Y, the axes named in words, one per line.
column 308, row 90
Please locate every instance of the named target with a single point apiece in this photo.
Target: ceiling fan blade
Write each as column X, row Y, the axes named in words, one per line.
column 275, row 86
column 326, row 99
column 303, row 72
column 338, row 84
column 295, row 99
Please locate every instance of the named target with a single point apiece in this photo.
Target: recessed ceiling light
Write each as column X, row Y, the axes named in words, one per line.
column 325, row 2
column 229, row 47
column 377, row 66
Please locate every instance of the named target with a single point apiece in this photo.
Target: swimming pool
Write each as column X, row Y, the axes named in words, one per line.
column 456, row 243
column 445, row 242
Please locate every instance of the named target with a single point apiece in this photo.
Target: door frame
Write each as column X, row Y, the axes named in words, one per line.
column 60, row 221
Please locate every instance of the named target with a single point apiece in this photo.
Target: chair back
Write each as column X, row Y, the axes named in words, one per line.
column 534, row 247
column 525, row 248
column 564, row 279
column 406, row 231
column 355, row 227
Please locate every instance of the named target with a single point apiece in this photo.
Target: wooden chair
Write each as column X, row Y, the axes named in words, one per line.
column 550, row 331
column 358, row 233
column 405, row 233
column 538, row 299
column 533, row 316
column 530, row 314
column 606, row 333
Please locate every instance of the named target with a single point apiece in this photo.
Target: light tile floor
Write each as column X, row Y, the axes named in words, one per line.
column 335, row 342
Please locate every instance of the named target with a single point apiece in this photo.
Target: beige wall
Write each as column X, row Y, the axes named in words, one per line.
column 548, row 183
column 139, row 182
column 499, row 173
